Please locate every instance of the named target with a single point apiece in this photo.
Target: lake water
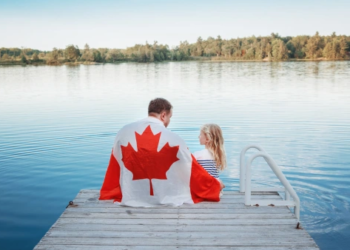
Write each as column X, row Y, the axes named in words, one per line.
column 57, row 127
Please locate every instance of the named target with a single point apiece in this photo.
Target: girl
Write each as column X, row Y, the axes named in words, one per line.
column 213, row 157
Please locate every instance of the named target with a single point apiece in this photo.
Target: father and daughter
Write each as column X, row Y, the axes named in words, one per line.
column 140, row 174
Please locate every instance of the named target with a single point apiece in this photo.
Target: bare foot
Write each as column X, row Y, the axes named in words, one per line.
column 222, row 185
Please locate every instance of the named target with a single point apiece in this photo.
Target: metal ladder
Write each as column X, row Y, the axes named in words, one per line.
column 246, row 177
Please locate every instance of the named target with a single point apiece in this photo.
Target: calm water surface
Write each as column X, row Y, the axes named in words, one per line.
column 57, row 126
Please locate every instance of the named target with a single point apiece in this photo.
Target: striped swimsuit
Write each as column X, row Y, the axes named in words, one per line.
column 206, row 160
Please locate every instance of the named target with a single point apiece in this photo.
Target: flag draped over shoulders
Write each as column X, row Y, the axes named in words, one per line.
column 150, row 165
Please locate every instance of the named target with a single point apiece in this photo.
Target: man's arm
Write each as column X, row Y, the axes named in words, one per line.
column 111, row 188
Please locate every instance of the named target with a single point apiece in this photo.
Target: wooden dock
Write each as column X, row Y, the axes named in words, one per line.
column 229, row 224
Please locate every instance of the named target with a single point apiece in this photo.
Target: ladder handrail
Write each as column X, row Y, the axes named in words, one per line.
column 280, row 176
column 242, row 166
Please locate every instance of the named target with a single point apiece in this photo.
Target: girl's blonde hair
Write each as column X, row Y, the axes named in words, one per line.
column 216, row 144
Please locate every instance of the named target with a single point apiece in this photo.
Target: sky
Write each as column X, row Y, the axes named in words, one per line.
column 44, row 24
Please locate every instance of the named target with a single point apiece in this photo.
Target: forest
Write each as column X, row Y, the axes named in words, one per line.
column 269, row 48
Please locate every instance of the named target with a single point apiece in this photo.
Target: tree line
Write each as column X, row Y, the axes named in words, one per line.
column 269, row 48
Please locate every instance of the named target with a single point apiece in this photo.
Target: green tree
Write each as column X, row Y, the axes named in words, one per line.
column 24, row 59
column 53, row 58
column 199, row 47
column 279, row 50
column 5, row 57
column 114, row 55
column 97, row 56
column 291, row 49
column 227, row 49
column 328, row 51
column 335, row 48
column 35, row 57
column 88, row 54
column 275, row 36
column 314, row 46
column 268, row 51
column 299, row 43
column 71, row 53
column 184, row 49
column 218, row 46
column 103, row 52
column 343, row 46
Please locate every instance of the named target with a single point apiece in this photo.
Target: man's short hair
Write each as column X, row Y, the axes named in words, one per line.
column 159, row 105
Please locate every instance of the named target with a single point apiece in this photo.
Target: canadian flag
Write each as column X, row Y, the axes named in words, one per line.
column 150, row 165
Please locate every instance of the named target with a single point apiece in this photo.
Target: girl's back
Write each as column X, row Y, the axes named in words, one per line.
column 206, row 159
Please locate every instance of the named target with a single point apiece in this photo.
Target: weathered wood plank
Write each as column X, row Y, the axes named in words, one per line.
column 203, row 205
column 180, row 228
column 198, row 235
column 228, row 192
column 222, row 201
column 178, row 242
column 130, row 215
column 224, row 197
column 174, row 210
column 290, row 221
column 141, row 247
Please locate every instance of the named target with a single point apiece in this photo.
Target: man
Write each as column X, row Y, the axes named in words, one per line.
column 151, row 165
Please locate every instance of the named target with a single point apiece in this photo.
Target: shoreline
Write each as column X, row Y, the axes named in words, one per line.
column 211, row 59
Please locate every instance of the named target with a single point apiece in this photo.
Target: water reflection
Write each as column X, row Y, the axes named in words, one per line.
column 58, row 125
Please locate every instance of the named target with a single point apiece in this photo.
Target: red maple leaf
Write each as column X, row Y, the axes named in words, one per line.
column 147, row 162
